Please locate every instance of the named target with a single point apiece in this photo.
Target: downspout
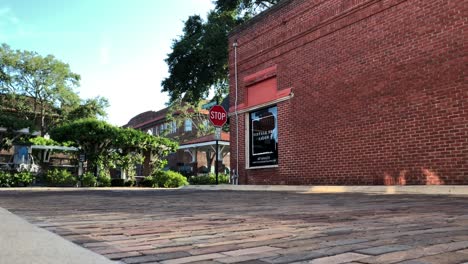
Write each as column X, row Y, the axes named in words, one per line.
column 236, row 174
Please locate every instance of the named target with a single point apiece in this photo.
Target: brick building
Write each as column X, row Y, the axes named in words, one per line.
column 194, row 151
column 351, row 92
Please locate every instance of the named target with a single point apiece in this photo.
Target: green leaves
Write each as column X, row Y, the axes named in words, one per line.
column 45, row 83
column 244, row 8
column 199, row 58
column 198, row 61
column 110, row 146
column 90, row 108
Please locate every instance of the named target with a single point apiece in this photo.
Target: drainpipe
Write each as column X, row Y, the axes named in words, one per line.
column 236, row 173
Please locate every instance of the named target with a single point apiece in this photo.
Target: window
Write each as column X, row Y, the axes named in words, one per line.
column 174, row 126
column 188, row 125
column 263, row 137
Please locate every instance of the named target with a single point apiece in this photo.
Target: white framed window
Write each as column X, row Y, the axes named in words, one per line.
column 174, row 126
column 188, row 125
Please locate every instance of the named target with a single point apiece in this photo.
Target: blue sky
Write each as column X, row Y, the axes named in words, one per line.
column 117, row 46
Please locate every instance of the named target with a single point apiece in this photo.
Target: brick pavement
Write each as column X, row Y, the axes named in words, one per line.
column 189, row 226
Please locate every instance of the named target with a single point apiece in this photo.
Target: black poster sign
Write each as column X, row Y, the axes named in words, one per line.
column 263, row 137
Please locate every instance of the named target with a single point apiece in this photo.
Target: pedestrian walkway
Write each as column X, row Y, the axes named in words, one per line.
column 194, row 226
column 23, row 243
column 372, row 189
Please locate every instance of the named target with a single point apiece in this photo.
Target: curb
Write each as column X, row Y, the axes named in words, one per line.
column 413, row 189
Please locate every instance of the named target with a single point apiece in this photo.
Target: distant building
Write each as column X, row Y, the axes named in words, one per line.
column 351, row 93
column 194, row 151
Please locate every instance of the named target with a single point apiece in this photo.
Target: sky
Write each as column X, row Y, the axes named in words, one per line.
column 117, row 46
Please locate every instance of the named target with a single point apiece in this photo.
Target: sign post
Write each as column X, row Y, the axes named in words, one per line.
column 218, row 117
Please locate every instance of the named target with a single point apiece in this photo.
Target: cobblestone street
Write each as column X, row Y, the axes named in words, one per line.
column 187, row 226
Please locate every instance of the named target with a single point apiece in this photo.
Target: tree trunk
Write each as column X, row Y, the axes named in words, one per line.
column 209, row 160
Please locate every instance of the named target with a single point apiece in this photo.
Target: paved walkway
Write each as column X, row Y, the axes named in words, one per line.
column 191, row 226
column 23, row 243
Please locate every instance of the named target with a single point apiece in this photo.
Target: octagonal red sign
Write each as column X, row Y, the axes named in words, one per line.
column 218, row 116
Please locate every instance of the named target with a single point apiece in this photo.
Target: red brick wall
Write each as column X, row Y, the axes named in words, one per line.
column 380, row 91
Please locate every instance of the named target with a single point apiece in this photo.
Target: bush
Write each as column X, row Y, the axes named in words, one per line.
column 148, row 181
column 57, row 177
column 117, row 182
column 89, row 180
column 104, row 180
column 5, row 179
column 169, row 179
column 15, row 179
column 24, row 178
column 130, row 182
column 209, row 179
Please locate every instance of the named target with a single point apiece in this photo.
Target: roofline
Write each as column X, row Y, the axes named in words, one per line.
column 259, row 17
column 54, row 148
column 207, row 143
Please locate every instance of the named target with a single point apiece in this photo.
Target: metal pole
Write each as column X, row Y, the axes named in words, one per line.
column 216, row 165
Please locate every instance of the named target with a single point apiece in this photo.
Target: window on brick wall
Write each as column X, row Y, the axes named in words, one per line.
column 263, row 137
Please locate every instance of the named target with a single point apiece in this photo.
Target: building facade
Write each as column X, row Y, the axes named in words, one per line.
column 354, row 92
column 195, row 154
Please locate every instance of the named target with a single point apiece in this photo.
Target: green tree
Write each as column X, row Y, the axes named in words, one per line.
column 244, row 8
column 10, row 127
column 108, row 146
column 199, row 58
column 94, row 138
column 90, row 108
column 45, row 83
column 181, row 111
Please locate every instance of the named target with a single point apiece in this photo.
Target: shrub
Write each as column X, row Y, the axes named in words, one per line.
column 57, row 177
column 104, row 180
column 130, row 182
column 117, row 182
column 24, row 178
column 169, row 179
column 5, row 179
column 208, row 179
column 148, row 181
column 88, row 180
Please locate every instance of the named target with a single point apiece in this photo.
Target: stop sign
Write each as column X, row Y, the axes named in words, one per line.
column 218, row 115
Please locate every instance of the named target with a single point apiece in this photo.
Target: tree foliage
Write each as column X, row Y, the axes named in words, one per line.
column 199, row 58
column 181, row 111
column 48, row 82
column 108, row 146
column 90, row 108
column 10, row 127
column 42, row 90
column 244, row 8
column 92, row 136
